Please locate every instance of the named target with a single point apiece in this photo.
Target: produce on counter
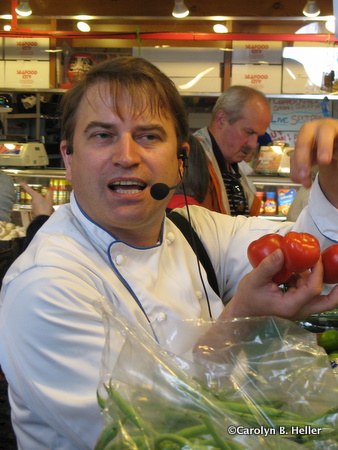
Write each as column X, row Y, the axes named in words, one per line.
column 193, row 430
column 245, row 391
column 10, row 231
column 329, row 340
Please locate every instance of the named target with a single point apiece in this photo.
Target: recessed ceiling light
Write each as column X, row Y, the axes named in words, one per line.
column 220, row 28
column 83, row 26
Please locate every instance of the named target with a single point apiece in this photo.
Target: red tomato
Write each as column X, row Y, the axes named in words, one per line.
column 263, row 247
column 301, row 251
column 330, row 263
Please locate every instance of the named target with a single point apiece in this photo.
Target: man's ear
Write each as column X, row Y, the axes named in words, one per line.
column 67, row 159
column 221, row 118
column 183, row 158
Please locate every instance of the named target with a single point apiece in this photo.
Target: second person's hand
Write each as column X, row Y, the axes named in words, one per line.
column 41, row 205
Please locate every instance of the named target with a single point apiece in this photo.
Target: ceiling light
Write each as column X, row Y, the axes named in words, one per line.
column 311, row 9
column 6, row 17
column 23, row 8
column 220, row 28
column 7, row 28
column 83, row 17
column 180, row 10
column 83, row 26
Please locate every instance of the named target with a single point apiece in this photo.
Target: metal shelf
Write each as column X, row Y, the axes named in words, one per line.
column 267, row 180
column 36, row 173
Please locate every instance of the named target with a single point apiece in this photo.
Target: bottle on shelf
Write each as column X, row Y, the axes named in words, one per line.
column 270, row 204
column 261, row 195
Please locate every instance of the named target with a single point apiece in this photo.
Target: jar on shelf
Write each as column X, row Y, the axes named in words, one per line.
column 261, row 194
column 270, row 204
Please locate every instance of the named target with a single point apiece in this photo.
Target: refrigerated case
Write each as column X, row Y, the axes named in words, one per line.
column 283, row 187
column 40, row 180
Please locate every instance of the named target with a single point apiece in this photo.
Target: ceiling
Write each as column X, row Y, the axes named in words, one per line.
column 150, row 16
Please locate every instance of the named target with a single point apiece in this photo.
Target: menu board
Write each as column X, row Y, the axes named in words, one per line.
column 290, row 114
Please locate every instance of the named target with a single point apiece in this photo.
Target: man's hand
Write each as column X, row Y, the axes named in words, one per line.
column 257, row 295
column 317, row 144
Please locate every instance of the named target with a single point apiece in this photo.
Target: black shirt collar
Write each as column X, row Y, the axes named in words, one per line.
column 220, row 159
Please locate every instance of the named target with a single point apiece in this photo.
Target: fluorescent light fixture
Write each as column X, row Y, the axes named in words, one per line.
column 311, row 9
column 83, row 26
column 23, row 8
column 219, row 18
column 83, row 17
column 180, row 10
column 220, row 28
column 6, row 17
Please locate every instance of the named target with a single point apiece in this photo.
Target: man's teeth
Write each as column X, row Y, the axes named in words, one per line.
column 120, row 187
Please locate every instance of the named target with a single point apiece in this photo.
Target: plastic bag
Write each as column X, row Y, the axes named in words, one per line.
column 262, row 384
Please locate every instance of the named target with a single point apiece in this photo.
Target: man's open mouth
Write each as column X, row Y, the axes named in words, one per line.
column 127, row 187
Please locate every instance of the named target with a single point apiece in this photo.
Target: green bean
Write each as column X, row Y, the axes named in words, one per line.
column 190, row 432
column 100, row 400
column 218, row 440
column 171, row 437
column 130, row 412
column 108, row 434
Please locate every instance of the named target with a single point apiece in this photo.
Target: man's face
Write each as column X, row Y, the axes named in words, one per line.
column 116, row 161
column 239, row 140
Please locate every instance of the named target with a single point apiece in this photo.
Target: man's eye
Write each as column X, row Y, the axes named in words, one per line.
column 149, row 137
column 101, row 135
column 248, row 132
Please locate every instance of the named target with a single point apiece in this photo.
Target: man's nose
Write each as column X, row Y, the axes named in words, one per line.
column 128, row 152
column 252, row 141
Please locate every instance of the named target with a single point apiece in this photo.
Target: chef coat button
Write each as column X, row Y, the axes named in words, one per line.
column 161, row 317
column 199, row 295
column 119, row 260
column 170, row 237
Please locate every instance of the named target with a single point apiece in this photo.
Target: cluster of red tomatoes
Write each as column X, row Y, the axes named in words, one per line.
column 301, row 252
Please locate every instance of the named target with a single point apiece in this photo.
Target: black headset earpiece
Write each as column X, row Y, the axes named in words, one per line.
column 183, row 155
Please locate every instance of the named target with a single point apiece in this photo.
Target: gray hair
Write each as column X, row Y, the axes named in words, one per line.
column 233, row 100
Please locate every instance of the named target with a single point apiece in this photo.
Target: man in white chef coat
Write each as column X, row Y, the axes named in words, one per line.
column 124, row 131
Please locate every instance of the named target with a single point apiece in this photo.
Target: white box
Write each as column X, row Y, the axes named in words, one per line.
column 199, row 54
column 27, row 48
column 266, row 78
column 27, row 74
column 246, row 52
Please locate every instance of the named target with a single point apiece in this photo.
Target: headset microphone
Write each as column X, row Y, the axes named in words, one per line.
column 159, row 191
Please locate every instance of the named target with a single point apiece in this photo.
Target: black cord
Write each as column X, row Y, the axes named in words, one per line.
column 195, row 249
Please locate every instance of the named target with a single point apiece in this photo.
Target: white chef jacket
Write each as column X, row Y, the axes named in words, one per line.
column 51, row 335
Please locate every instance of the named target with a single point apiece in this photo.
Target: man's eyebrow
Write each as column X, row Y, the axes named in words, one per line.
column 97, row 124
column 152, row 127
column 250, row 130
